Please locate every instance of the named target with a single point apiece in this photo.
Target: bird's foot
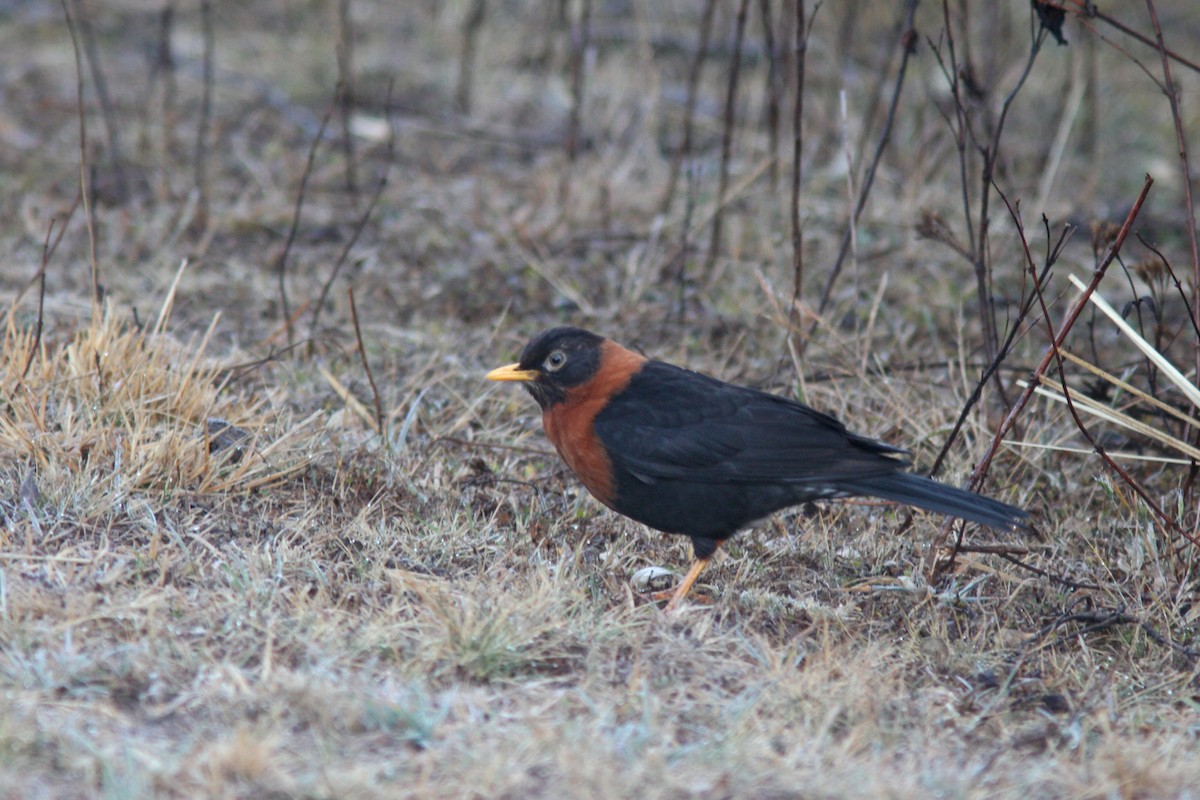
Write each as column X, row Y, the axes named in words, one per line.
column 673, row 602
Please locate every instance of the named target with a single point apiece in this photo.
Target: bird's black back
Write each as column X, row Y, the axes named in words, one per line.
column 694, row 455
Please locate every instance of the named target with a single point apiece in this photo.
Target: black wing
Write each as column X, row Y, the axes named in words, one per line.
column 674, row 424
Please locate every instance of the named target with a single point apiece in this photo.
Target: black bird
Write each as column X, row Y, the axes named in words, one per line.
column 688, row 454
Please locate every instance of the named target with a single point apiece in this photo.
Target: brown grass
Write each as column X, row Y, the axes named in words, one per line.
column 296, row 606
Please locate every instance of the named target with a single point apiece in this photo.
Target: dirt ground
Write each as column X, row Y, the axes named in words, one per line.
column 267, row 532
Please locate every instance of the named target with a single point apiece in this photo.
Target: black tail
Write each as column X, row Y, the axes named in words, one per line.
column 926, row 493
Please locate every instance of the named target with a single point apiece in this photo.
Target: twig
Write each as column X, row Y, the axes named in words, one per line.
column 47, row 254
column 800, row 47
column 774, row 91
column 978, row 249
column 1184, row 167
column 389, row 158
column 982, row 262
column 47, row 249
column 961, row 124
column 202, row 129
column 85, row 189
column 1015, row 327
column 362, row 354
column 881, row 370
column 581, row 41
column 164, row 62
column 1194, row 472
column 852, row 229
column 346, row 92
column 979, row 474
column 235, row 372
column 1100, row 619
column 281, row 263
column 714, row 242
column 1005, row 348
column 1098, row 448
column 471, row 26
column 689, row 108
column 1059, row 579
column 1089, row 10
column 689, row 210
column 1077, row 93
column 994, row 549
column 1179, row 289
column 908, row 41
column 107, row 114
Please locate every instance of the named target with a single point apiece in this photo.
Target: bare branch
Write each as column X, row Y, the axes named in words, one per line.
column 281, row 262
column 689, row 106
column 714, row 242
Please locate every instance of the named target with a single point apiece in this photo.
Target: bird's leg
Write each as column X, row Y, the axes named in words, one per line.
column 685, row 586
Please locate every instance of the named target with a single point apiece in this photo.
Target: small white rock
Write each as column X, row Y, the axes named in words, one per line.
column 653, row 579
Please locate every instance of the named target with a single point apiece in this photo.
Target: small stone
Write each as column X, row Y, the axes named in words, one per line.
column 653, row 579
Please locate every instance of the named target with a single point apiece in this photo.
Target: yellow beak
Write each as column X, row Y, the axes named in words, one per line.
column 512, row 372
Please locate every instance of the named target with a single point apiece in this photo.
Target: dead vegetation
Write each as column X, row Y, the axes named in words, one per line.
column 261, row 539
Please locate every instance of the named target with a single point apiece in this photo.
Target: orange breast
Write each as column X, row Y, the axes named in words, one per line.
column 569, row 424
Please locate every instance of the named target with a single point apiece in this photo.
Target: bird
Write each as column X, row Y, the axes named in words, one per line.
column 686, row 453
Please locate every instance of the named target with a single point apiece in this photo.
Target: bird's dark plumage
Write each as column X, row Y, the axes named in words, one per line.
column 688, row 454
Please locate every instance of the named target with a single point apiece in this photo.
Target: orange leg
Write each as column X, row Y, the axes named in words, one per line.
column 685, row 586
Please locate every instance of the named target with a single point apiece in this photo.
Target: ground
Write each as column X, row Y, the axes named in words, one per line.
column 263, row 537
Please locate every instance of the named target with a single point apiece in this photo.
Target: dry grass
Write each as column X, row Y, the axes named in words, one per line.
column 296, row 606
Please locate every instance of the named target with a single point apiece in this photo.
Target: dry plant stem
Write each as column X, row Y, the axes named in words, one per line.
column 870, row 110
column 714, row 242
column 1050, row 576
column 471, row 26
column 581, row 41
column 362, row 354
column 281, row 265
column 200, row 159
column 1015, row 327
column 978, row 246
column 107, row 114
column 908, row 40
column 1105, row 618
column 982, row 261
column 346, row 92
column 774, row 91
column 1194, row 472
column 1088, row 10
column 689, row 110
column 689, row 210
column 994, row 549
column 235, row 372
column 960, row 125
column 979, row 474
column 1179, row 289
column 1185, row 169
column 359, row 227
column 1078, row 88
column 800, row 48
column 342, row 258
column 47, row 249
column 85, row 190
column 1005, row 348
column 1128, row 479
column 164, row 62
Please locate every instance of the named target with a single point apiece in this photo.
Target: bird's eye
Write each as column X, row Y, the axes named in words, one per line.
column 555, row 361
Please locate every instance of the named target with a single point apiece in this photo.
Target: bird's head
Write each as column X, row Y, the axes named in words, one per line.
column 554, row 362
